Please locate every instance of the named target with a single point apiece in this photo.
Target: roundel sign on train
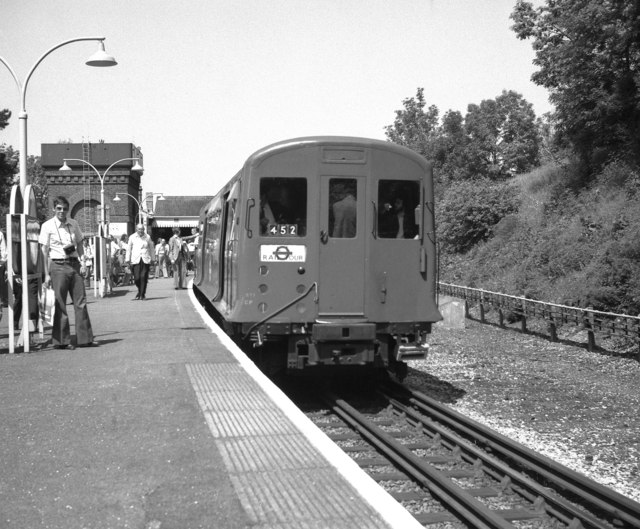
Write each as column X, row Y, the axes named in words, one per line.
column 283, row 253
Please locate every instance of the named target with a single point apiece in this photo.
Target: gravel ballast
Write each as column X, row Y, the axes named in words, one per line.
column 577, row 407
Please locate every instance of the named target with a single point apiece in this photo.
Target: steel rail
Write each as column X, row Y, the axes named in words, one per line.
column 556, row 506
column 605, row 499
column 463, row 504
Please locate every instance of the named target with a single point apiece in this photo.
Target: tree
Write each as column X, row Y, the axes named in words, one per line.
column 449, row 146
column 588, row 54
column 503, row 138
column 414, row 127
column 8, row 177
column 38, row 181
column 5, row 115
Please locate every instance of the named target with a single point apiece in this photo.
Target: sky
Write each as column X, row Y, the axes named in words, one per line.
column 201, row 85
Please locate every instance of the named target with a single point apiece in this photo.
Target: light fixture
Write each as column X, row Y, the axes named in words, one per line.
column 117, row 198
column 161, row 197
column 101, row 57
column 137, row 167
column 65, row 167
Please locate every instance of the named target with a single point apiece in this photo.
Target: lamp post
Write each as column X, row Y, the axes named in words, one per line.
column 140, row 210
column 101, row 177
column 103, row 231
column 100, row 58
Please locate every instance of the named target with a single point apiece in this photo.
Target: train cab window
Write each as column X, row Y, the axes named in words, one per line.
column 283, row 207
column 343, row 197
column 397, row 200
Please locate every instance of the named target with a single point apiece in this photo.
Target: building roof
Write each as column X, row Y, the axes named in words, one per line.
column 180, row 206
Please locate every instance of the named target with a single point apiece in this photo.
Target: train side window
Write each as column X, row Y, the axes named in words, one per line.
column 283, row 207
column 343, row 197
column 397, row 200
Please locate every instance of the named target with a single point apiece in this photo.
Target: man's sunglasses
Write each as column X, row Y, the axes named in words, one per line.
column 61, row 208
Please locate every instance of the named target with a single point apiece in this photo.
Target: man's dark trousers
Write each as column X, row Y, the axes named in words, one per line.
column 66, row 279
column 141, row 277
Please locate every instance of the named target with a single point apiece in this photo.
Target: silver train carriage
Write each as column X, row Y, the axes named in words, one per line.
column 320, row 253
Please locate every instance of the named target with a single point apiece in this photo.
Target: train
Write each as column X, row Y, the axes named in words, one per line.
column 319, row 256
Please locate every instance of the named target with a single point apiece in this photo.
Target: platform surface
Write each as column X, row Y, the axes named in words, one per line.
column 166, row 425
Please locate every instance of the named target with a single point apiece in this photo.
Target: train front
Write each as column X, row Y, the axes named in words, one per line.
column 333, row 256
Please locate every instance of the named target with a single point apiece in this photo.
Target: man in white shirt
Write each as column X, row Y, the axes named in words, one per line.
column 140, row 254
column 61, row 245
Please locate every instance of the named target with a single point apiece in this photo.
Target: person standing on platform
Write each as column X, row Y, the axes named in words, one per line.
column 61, row 246
column 178, row 260
column 3, row 267
column 161, row 264
column 140, row 254
column 87, row 260
column 122, row 256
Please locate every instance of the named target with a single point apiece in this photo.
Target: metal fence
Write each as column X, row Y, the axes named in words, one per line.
column 593, row 321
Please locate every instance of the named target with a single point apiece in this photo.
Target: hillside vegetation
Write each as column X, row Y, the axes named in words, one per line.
column 545, row 206
column 547, row 235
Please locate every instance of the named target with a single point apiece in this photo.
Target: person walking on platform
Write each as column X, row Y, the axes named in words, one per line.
column 61, row 246
column 178, row 258
column 140, row 254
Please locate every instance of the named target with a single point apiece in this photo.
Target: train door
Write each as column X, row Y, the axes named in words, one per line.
column 342, row 246
column 231, row 231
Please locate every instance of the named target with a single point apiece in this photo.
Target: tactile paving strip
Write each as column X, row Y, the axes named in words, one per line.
column 281, row 479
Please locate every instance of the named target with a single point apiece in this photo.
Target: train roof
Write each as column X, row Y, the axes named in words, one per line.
column 349, row 141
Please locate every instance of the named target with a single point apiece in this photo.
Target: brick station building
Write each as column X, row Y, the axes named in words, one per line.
column 81, row 186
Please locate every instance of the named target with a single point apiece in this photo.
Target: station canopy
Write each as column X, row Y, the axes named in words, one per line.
column 170, row 223
column 177, row 211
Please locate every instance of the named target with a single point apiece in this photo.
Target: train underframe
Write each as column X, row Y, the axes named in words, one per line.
column 327, row 347
column 336, row 347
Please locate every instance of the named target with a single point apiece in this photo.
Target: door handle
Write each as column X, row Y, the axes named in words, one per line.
column 324, row 236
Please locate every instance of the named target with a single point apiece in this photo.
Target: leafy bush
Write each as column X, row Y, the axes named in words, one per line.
column 564, row 244
column 468, row 211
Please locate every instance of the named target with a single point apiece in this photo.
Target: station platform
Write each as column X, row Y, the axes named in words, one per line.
column 166, row 425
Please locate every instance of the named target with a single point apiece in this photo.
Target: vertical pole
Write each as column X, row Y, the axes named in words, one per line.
column 11, row 293
column 22, row 127
column 25, row 281
column 591, row 337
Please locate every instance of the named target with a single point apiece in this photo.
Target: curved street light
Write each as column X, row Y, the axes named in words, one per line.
column 136, row 167
column 100, row 58
column 140, row 209
column 103, row 231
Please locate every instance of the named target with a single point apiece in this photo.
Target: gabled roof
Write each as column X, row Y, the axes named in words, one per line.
column 180, row 206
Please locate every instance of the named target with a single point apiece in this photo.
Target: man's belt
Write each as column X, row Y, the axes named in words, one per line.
column 68, row 260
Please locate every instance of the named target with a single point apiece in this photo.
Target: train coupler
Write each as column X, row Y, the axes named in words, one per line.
column 417, row 350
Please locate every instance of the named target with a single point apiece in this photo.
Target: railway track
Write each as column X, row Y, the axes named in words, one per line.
column 448, row 469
